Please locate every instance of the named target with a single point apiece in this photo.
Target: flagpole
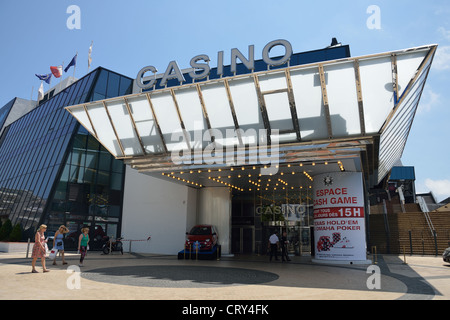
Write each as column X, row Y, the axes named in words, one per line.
column 89, row 57
column 75, row 66
column 40, row 92
column 60, row 78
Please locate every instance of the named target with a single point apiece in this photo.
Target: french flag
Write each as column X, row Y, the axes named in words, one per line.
column 57, row 71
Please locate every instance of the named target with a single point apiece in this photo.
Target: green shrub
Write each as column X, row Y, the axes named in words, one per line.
column 16, row 233
column 5, row 230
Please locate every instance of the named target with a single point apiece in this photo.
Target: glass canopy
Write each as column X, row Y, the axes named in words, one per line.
column 351, row 99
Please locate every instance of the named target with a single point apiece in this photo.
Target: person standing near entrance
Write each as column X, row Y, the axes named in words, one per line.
column 83, row 241
column 284, row 242
column 274, row 243
column 58, row 242
column 39, row 250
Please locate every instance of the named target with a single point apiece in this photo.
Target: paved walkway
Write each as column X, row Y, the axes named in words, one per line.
column 151, row 277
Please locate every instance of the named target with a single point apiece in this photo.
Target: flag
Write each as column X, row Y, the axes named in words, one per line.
column 45, row 77
column 41, row 92
column 89, row 57
column 73, row 63
column 57, row 71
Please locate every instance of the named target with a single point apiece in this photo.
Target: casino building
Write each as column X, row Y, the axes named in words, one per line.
column 293, row 143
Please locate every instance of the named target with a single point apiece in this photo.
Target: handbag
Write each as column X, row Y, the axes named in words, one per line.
column 53, row 253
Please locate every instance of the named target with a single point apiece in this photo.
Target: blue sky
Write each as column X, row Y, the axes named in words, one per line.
column 131, row 34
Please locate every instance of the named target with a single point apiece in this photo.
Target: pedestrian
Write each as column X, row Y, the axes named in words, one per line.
column 58, row 242
column 83, row 242
column 39, row 249
column 274, row 244
column 284, row 242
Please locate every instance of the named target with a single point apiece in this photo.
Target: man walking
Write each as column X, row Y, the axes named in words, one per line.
column 274, row 244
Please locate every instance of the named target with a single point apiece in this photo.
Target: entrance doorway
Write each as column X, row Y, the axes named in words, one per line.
column 298, row 236
column 256, row 216
column 242, row 239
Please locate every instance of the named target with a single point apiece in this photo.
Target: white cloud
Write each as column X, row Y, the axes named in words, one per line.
column 442, row 10
column 442, row 59
column 440, row 188
column 429, row 99
column 444, row 32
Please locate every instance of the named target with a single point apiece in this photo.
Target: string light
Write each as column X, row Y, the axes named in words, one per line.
column 227, row 184
column 193, row 183
column 309, row 177
column 255, row 185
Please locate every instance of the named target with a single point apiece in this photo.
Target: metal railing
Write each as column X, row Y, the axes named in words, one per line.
column 424, row 208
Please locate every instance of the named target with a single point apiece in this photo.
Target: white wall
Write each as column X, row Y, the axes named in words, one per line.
column 214, row 207
column 155, row 207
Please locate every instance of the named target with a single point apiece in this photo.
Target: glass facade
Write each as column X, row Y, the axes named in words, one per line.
column 36, row 156
column 88, row 192
column 4, row 111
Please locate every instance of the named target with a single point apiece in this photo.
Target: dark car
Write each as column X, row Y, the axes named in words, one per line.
column 446, row 255
column 203, row 235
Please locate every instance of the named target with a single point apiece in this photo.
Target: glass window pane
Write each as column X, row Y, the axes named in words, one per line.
column 342, row 99
column 219, row 112
column 104, row 129
column 126, row 86
column 378, row 96
column 246, row 106
column 105, row 161
column 124, row 127
column 91, row 159
column 80, row 114
column 102, row 83
column 168, row 120
column 103, row 178
column 89, row 175
column 117, row 166
column 116, row 181
column 145, row 124
column 97, row 96
column 309, row 104
column 113, row 85
column 278, row 111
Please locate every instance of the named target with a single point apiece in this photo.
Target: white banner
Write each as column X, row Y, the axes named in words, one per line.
column 339, row 225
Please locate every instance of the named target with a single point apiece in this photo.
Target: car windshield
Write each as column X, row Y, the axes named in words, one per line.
column 200, row 231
